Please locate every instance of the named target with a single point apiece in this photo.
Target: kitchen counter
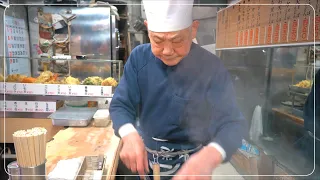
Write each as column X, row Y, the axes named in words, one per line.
column 87, row 141
column 292, row 117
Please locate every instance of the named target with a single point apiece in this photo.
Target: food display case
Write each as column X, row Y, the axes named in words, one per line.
column 89, row 83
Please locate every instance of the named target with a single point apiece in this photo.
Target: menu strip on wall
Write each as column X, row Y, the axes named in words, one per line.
column 256, row 23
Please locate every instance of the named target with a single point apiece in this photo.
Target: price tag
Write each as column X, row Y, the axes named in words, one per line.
column 85, row 90
column 70, row 90
column 50, row 89
column 77, row 90
column 107, row 91
column 10, row 88
column 94, row 91
column 63, row 90
column 21, row 88
column 39, row 106
column 8, row 105
column 1, row 87
column 50, row 106
column 101, row 91
column 28, row 106
column 15, row 106
column 20, row 106
column 1, row 105
column 46, row 89
column 35, row 89
column 36, row 106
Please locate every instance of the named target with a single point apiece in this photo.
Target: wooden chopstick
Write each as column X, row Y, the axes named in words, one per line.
column 30, row 146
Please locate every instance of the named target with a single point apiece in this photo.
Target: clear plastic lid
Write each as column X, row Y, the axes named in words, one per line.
column 102, row 114
column 71, row 113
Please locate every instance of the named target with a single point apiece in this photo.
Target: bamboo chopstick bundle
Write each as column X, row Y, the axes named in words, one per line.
column 43, row 142
column 30, row 146
column 18, row 146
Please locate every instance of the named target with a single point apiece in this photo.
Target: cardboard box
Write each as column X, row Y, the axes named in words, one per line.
column 245, row 163
column 280, row 170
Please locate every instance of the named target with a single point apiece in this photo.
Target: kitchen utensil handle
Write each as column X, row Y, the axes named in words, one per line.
column 156, row 171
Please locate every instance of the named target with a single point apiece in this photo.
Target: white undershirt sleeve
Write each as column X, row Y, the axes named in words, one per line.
column 219, row 149
column 126, row 129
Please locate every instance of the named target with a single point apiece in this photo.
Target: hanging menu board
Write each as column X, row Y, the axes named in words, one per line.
column 17, row 46
column 259, row 24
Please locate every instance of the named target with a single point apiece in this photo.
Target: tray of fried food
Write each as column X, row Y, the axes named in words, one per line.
column 303, row 86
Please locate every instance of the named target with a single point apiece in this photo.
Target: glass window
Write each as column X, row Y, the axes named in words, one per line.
column 280, row 81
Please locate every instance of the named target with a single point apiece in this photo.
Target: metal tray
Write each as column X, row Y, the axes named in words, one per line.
column 299, row 89
column 72, row 123
column 70, row 116
column 90, row 166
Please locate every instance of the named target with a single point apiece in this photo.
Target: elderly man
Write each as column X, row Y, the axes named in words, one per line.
column 189, row 121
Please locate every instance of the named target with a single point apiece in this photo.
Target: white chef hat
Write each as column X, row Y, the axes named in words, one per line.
column 168, row 15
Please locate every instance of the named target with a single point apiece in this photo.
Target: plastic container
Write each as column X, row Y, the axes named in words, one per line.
column 104, row 104
column 102, row 118
column 70, row 116
column 76, row 103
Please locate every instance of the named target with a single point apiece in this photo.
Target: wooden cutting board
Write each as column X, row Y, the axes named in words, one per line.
column 87, row 141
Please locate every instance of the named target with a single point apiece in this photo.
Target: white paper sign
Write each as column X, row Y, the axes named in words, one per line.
column 17, row 46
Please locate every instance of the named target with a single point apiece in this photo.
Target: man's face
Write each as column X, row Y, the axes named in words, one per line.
column 172, row 47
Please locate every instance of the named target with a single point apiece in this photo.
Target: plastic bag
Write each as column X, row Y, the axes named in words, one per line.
column 256, row 129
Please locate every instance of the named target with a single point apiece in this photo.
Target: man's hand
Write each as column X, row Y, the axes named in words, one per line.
column 201, row 163
column 133, row 154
